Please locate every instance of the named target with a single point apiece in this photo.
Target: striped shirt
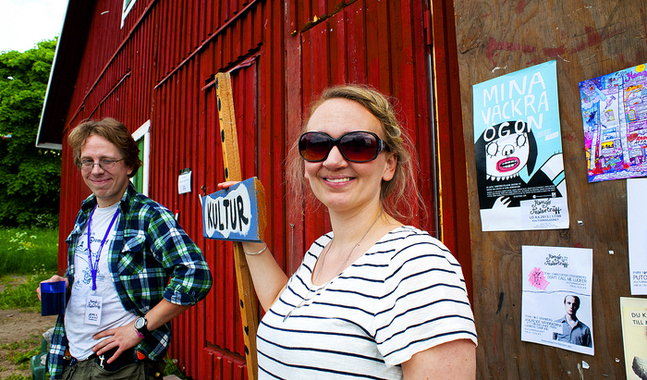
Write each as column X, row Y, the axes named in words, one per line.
column 404, row 295
column 151, row 258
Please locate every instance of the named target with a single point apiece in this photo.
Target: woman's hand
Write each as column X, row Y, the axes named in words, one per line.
column 226, row 185
column 268, row 277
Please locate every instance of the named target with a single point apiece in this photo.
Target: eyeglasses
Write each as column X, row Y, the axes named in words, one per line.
column 88, row 165
column 356, row 146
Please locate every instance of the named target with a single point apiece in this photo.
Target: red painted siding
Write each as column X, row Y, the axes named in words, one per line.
column 160, row 67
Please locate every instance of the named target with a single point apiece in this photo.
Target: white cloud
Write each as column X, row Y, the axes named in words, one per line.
column 23, row 23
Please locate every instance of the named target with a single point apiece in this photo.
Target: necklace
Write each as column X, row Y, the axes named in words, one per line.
column 323, row 257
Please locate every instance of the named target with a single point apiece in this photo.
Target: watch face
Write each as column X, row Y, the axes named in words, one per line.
column 140, row 322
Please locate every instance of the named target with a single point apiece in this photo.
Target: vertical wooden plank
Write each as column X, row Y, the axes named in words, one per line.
column 356, row 41
column 338, row 49
column 205, row 325
column 231, row 161
column 226, row 11
column 191, row 202
column 247, row 29
column 294, row 223
column 320, row 45
column 412, row 95
column 257, row 25
column 278, row 140
column 423, row 128
column 308, row 12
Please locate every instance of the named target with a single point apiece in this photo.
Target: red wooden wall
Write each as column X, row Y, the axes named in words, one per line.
column 160, row 67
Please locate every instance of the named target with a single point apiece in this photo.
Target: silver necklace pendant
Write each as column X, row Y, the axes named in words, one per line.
column 339, row 270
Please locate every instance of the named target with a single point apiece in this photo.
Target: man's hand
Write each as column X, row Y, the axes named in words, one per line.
column 121, row 338
column 54, row 278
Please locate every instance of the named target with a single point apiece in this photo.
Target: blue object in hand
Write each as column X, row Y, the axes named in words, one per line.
column 52, row 298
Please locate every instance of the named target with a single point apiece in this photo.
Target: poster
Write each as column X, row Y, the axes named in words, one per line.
column 518, row 151
column 556, row 307
column 634, row 336
column 637, row 228
column 614, row 115
column 184, row 181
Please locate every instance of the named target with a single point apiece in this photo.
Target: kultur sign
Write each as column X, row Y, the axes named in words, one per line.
column 236, row 213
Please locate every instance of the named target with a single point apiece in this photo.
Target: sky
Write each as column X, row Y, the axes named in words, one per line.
column 23, row 23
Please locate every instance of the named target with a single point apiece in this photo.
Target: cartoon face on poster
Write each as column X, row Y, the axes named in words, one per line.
column 614, row 115
column 518, row 151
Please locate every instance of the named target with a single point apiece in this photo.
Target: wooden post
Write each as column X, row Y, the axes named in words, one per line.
column 248, row 302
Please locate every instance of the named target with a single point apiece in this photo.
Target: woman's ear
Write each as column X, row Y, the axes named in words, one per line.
column 391, row 163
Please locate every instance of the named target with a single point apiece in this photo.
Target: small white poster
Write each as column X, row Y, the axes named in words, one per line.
column 636, row 211
column 556, row 297
column 184, row 182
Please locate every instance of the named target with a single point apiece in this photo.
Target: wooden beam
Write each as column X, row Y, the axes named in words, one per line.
column 231, row 159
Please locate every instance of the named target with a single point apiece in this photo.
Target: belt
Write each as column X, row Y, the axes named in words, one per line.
column 127, row 357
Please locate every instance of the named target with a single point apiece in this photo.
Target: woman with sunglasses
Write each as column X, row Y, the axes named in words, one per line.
column 373, row 298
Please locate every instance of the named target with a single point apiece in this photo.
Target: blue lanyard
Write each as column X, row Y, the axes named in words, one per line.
column 95, row 268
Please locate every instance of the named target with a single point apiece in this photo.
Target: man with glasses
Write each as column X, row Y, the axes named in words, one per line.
column 131, row 267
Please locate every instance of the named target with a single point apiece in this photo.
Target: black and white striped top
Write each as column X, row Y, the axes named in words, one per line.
column 405, row 295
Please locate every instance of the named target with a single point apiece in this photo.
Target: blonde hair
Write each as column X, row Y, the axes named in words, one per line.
column 396, row 194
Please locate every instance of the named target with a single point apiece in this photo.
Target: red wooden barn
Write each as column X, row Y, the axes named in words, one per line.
column 151, row 64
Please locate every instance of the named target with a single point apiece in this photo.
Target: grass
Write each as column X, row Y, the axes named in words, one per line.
column 30, row 254
column 23, row 250
column 19, row 354
column 23, row 295
column 27, row 256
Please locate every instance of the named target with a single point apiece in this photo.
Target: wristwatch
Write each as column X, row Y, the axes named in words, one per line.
column 141, row 326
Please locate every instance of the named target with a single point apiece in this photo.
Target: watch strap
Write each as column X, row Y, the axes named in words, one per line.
column 142, row 331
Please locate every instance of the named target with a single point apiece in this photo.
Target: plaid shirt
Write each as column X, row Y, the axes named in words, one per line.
column 149, row 248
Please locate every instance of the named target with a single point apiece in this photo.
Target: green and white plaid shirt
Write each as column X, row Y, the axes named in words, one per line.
column 150, row 259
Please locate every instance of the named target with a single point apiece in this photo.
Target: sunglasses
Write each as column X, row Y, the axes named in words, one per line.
column 357, row 146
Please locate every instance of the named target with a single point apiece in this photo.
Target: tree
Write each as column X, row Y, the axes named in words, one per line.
column 29, row 176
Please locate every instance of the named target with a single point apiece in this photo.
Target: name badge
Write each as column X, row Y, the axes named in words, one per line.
column 93, row 310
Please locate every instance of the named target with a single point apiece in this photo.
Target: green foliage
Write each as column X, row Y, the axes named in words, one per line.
column 29, row 176
column 20, row 353
column 22, row 296
column 172, row 368
column 17, row 377
column 22, row 250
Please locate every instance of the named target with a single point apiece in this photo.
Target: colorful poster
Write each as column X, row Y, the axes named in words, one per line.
column 556, row 305
column 518, row 151
column 634, row 336
column 637, row 231
column 614, row 114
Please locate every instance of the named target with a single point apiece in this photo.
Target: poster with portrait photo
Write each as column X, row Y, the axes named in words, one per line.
column 518, row 151
column 556, row 307
column 634, row 336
